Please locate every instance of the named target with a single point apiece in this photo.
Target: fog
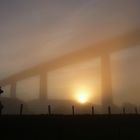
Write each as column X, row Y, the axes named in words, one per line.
column 36, row 32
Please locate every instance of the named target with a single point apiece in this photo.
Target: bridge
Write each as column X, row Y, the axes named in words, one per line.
column 103, row 50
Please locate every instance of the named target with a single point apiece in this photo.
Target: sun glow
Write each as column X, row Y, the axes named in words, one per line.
column 82, row 96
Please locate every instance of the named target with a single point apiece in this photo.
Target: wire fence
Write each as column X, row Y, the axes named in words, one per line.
column 91, row 111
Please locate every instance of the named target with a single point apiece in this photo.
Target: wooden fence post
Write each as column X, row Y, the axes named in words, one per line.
column 109, row 110
column 136, row 110
column 49, row 109
column 21, row 109
column 1, row 107
column 73, row 111
column 124, row 111
column 93, row 110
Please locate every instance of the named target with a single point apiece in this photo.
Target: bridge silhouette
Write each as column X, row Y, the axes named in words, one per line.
column 103, row 50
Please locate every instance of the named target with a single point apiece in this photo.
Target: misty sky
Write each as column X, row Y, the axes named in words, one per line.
column 36, row 31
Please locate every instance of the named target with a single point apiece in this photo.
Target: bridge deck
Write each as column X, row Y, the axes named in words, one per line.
column 119, row 43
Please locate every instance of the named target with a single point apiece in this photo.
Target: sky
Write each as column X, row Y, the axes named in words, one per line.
column 36, row 31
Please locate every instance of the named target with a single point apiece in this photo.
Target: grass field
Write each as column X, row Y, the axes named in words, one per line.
column 70, row 127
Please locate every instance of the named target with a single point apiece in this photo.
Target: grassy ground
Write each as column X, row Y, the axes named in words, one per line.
column 112, row 127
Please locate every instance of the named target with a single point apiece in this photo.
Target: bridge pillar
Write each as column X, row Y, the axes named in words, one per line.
column 106, row 80
column 43, row 86
column 13, row 90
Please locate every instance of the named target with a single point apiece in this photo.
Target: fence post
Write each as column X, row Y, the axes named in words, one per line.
column 49, row 109
column 136, row 110
column 109, row 110
column 93, row 110
column 1, row 105
column 124, row 111
column 73, row 111
column 21, row 109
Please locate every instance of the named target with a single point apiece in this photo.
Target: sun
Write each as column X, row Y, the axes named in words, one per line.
column 82, row 96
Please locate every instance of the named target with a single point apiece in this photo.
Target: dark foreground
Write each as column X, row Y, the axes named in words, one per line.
column 70, row 127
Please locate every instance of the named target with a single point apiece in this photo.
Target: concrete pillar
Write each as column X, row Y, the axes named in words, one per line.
column 43, row 85
column 106, row 80
column 13, row 90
